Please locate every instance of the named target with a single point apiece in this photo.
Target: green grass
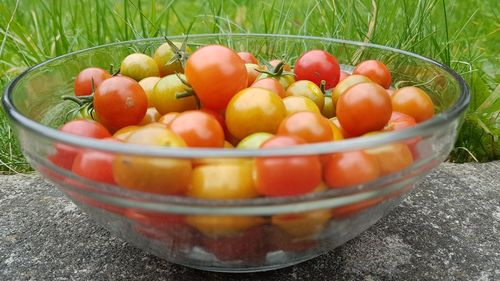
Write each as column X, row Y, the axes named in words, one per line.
column 462, row 34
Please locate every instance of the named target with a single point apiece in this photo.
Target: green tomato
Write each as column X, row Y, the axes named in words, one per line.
column 254, row 140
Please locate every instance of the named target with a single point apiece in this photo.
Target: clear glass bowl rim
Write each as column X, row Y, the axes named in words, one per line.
column 257, row 206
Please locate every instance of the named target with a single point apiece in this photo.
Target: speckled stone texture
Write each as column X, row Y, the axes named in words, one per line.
column 448, row 229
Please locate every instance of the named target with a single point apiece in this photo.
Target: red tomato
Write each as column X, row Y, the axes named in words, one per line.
column 95, row 165
column 376, row 71
column 216, row 73
column 83, row 82
column 65, row 154
column 284, row 176
column 248, row 57
column 198, row 129
column 270, row 84
column 120, row 102
column 413, row 101
column 350, row 168
column 318, row 65
column 219, row 117
column 311, row 127
column 399, row 121
column 364, row 108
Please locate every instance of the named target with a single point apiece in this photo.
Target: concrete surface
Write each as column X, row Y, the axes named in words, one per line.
column 448, row 229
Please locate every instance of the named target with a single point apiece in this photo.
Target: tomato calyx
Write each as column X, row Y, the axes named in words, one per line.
column 275, row 71
column 180, row 54
column 322, row 87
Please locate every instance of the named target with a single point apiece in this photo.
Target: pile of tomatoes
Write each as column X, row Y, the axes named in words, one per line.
column 215, row 97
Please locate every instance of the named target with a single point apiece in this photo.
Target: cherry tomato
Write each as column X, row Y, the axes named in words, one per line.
column 347, row 83
column 164, row 96
column 148, row 84
column 248, row 57
column 163, row 55
column 270, row 84
column 254, row 110
column 120, row 102
column 216, row 74
column 335, row 121
column 254, row 140
column 65, row 154
column 328, row 108
column 218, row 116
column 364, row 108
column 337, row 132
column 392, row 157
column 95, row 165
column 376, row 71
column 223, row 226
column 252, row 72
column 413, row 101
column 302, row 225
column 124, row 132
column 401, row 121
column 223, row 181
column 343, row 75
column 307, row 89
column 294, row 104
column 285, row 176
column 350, row 168
column 151, row 174
column 139, row 66
column 311, row 127
column 168, row 118
column 318, row 65
column 285, row 80
column 84, row 80
column 198, row 129
column 152, row 115
column 345, row 211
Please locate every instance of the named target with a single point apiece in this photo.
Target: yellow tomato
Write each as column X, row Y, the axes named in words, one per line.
column 165, row 99
column 153, row 174
column 294, row 104
column 347, row 83
column 308, row 89
column 302, row 225
column 328, row 108
column 163, row 55
column 254, row 110
column 139, row 66
column 148, row 84
column 124, row 132
column 254, row 140
column 152, row 115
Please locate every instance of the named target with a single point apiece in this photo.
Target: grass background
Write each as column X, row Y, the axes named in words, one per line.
column 462, row 34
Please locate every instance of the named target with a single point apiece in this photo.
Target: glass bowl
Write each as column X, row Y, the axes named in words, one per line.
column 236, row 235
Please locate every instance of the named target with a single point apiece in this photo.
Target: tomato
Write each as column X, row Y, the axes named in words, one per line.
column 152, row 115
column 307, row 89
column 148, row 84
column 347, row 83
column 252, row 72
column 287, row 175
column 399, row 121
column 335, row 121
column 248, row 57
column 84, row 80
column 216, row 73
column 311, row 127
column 218, row 116
column 413, row 101
column 364, row 108
column 168, row 118
column 95, row 165
column 294, row 104
column 139, row 66
column 120, row 102
column 164, row 96
column 223, row 181
column 345, row 211
column 318, row 65
column 302, row 225
column 337, row 132
column 151, row 174
column 254, row 140
column 270, row 84
column 163, row 55
column 392, row 157
column 328, row 108
column 65, row 154
column 376, row 70
column 124, row 132
column 285, row 79
column 198, row 129
column 223, row 226
column 350, row 168
column 254, row 110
